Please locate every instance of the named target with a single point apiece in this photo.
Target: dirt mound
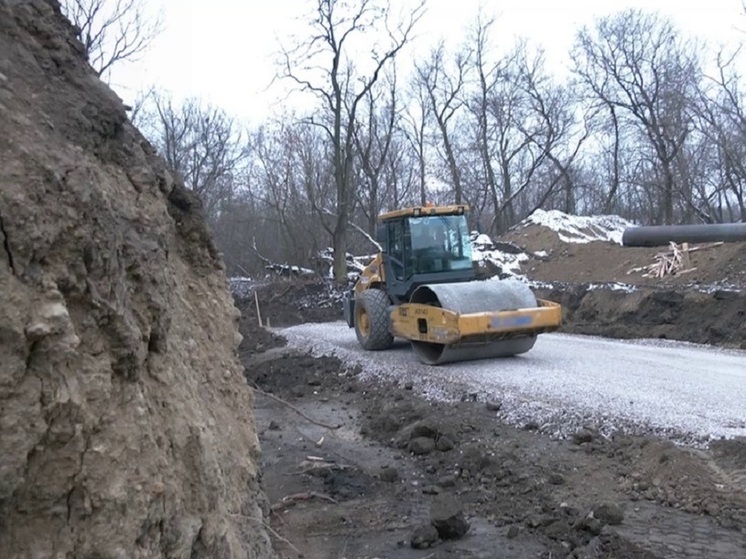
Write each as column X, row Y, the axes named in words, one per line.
column 605, row 291
column 717, row 318
column 126, row 427
column 554, row 260
column 292, row 301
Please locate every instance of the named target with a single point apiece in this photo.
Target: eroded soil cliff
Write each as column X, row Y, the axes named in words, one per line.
column 126, row 426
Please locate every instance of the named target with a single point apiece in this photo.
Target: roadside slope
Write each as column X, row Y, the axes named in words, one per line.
column 126, row 427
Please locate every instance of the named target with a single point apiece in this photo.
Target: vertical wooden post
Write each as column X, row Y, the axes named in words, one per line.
column 258, row 313
column 685, row 262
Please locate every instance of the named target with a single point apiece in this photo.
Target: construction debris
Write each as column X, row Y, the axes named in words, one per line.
column 675, row 261
column 292, row 500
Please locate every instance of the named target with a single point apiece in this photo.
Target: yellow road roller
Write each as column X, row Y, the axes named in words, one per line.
column 422, row 286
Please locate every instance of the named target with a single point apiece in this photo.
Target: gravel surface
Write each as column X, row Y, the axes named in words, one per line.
column 686, row 392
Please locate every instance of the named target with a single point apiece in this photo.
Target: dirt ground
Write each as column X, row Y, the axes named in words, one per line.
column 721, row 266
column 360, row 470
column 604, row 292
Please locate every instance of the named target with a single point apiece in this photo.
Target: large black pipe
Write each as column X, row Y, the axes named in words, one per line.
column 661, row 235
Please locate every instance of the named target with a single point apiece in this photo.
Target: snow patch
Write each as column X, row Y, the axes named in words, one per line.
column 324, row 260
column 505, row 257
column 614, row 286
column 508, row 257
column 241, row 287
column 578, row 228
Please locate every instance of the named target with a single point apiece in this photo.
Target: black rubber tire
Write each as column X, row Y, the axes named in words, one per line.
column 372, row 320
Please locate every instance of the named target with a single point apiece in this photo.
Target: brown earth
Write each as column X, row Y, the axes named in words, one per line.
column 126, row 429
column 375, row 484
column 706, row 305
column 126, row 426
column 719, row 266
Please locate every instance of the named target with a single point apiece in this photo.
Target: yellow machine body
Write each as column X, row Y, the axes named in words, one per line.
column 434, row 300
column 425, row 323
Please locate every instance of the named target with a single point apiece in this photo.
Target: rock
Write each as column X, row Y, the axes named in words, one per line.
column 594, row 526
column 512, row 532
column 389, row 474
column 445, row 443
column 422, row 445
column 408, row 385
column 540, row 520
column 597, row 517
column 594, row 550
column 493, row 405
column 274, row 426
column 556, row 479
column 582, row 436
column 447, row 516
column 425, row 536
column 423, row 429
column 587, row 523
column 608, row 513
column 447, row 480
column 558, row 530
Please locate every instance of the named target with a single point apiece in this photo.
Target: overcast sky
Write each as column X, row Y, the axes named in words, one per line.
column 222, row 50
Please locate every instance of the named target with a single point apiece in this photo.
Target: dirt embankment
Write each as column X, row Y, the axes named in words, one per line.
column 126, row 427
column 717, row 318
column 605, row 290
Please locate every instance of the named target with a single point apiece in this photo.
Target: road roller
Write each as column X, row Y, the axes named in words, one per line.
column 422, row 286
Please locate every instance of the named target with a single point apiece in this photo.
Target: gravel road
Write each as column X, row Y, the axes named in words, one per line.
column 686, row 392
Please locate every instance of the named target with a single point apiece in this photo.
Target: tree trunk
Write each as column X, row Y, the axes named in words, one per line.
column 339, row 243
column 668, row 195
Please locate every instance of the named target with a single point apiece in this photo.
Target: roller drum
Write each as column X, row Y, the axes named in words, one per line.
column 475, row 297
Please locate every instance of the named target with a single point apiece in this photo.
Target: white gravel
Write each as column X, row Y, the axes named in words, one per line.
column 686, row 392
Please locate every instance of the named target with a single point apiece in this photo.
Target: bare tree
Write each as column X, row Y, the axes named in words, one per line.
column 722, row 122
column 444, row 88
column 373, row 138
column 330, row 66
column 511, row 137
column 291, row 181
column 636, row 62
column 488, row 73
column 112, row 31
column 201, row 143
column 555, row 131
column 414, row 124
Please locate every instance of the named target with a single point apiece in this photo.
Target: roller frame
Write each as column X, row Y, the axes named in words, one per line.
column 426, row 323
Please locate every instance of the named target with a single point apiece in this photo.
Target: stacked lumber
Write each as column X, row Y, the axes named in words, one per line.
column 673, row 262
